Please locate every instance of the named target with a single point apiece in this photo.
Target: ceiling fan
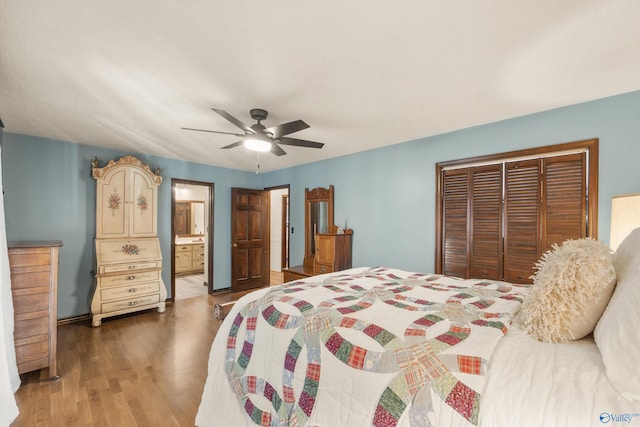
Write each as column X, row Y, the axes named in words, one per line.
column 259, row 138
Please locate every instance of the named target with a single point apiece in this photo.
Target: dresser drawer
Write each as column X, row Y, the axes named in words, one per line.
column 320, row 268
column 29, row 277
column 34, row 349
column 30, row 327
column 30, row 302
column 28, row 257
column 130, row 278
column 117, row 268
column 183, row 248
column 119, row 292
column 130, row 303
column 291, row 276
column 197, row 264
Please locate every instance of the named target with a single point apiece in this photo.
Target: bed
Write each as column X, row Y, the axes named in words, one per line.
column 383, row 346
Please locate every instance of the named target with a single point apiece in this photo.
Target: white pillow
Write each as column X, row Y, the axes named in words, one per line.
column 571, row 289
column 618, row 331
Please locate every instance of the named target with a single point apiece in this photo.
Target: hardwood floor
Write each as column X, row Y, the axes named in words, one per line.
column 146, row 369
column 276, row 277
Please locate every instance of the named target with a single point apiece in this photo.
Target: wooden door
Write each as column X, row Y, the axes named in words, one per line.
column 522, row 219
column 485, row 257
column 564, row 200
column 182, row 218
column 455, row 241
column 249, row 239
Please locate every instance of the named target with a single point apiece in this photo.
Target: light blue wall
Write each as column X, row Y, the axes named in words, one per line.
column 386, row 195
column 49, row 195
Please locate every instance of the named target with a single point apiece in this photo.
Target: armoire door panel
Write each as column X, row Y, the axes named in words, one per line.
column 143, row 206
column 112, row 213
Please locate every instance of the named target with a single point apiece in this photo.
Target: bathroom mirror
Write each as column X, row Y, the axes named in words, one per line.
column 189, row 218
column 318, row 214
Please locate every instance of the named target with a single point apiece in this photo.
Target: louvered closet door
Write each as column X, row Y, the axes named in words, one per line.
column 522, row 219
column 497, row 220
column 455, row 194
column 485, row 260
column 564, row 199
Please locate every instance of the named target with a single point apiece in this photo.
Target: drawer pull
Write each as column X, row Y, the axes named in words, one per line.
column 131, row 290
column 131, row 277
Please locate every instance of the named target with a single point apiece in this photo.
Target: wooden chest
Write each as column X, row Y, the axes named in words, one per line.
column 34, row 285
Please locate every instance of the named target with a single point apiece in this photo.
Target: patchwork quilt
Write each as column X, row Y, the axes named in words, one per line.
column 376, row 346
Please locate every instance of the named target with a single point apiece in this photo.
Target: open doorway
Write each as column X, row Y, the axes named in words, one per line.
column 279, row 232
column 192, row 210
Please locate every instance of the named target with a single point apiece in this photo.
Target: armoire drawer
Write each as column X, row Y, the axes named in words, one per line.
column 117, row 268
column 130, row 291
column 130, row 303
column 130, row 278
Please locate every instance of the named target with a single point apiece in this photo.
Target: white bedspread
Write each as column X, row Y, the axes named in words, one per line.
column 531, row 383
column 362, row 347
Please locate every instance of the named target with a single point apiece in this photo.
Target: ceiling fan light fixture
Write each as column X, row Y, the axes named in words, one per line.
column 255, row 144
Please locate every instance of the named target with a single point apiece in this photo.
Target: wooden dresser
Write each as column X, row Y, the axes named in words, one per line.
column 128, row 256
column 333, row 252
column 34, row 286
column 298, row 272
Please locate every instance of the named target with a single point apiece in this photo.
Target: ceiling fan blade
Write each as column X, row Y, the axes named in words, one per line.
column 214, row 131
column 300, row 142
column 235, row 121
column 275, row 149
column 287, row 128
column 235, row 144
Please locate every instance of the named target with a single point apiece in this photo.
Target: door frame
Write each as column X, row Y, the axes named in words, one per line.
column 209, row 232
column 285, row 233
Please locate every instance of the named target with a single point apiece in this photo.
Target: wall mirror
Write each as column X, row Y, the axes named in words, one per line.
column 189, row 218
column 318, row 216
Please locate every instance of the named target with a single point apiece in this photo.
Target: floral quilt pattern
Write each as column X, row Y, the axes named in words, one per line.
column 412, row 324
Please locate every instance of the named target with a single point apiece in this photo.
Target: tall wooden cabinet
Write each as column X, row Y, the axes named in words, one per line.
column 128, row 257
column 333, row 252
column 34, row 285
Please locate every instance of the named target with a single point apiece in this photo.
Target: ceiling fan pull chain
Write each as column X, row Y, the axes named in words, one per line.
column 258, row 162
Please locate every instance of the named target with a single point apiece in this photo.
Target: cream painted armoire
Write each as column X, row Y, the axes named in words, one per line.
column 128, row 258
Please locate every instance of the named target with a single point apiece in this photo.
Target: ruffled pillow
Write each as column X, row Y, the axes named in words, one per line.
column 572, row 285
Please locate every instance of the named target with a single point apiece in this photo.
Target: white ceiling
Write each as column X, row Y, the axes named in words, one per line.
column 363, row 73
